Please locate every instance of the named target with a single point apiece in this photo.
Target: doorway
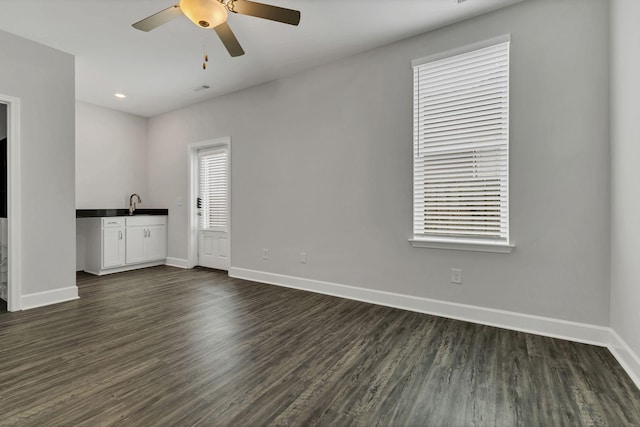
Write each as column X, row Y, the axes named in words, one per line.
column 10, row 277
column 210, row 219
column 4, row 229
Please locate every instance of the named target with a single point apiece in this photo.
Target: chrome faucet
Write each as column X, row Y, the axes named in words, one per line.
column 132, row 204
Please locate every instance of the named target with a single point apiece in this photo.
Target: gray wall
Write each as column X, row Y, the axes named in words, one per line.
column 111, row 157
column 625, row 176
column 321, row 163
column 3, row 121
column 43, row 79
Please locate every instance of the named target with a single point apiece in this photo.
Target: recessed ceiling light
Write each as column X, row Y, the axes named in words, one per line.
column 119, row 95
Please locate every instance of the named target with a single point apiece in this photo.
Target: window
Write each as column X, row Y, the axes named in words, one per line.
column 213, row 198
column 461, row 150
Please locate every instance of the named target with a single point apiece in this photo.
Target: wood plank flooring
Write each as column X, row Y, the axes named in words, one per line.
column 170, row 347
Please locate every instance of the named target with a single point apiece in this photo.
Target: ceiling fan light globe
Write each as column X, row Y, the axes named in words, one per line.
column 204, row 13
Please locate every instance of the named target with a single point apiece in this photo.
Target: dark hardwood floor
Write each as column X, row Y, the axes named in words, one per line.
column 170, row 347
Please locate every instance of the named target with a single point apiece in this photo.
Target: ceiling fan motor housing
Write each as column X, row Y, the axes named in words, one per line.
column 204, row 13
column 213, row 14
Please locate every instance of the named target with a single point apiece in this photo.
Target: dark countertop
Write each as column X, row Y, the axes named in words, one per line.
column 93, row 213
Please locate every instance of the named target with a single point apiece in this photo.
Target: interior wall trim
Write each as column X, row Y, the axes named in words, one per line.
column 555, row 328
column 14, row 202
column 627, row 358
column 602, row 336
column 177, row 262
column 54, row 296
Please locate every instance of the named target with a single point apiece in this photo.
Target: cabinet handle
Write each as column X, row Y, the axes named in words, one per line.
column 120, row 235
column 149, row 232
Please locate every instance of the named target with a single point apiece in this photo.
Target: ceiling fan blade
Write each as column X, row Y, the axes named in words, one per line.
column 266, row 11
column 157, row 19
column 229, row 39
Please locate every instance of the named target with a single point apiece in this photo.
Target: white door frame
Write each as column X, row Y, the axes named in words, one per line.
column 14, row 276
column 193, row 148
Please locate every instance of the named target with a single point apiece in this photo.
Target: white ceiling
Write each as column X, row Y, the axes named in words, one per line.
column 159, row 70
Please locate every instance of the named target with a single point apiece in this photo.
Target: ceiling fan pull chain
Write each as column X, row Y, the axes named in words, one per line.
column 206, row 56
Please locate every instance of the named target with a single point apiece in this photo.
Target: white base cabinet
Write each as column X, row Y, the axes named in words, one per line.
column 124, row 243
column 146, row 239
column 113, row 254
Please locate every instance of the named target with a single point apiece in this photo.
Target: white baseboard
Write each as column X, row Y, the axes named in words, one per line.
column 55, row 296
column 555, row 328
column 177, row 262
column 625, row 356
column 129, row 267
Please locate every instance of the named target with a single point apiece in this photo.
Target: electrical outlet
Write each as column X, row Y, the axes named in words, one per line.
column 265, row 253
column 303, row 257
column 456, row 276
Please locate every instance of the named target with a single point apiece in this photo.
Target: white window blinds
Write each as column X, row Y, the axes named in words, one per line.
column 461, row 147
column 213, row 198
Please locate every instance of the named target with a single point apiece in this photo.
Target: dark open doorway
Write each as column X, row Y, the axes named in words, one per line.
column 4, row 247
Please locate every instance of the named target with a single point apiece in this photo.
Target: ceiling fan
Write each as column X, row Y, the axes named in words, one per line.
column 214, row 13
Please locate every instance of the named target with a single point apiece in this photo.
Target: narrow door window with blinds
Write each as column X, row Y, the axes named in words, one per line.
column 461, row 149
column 213, row 208
column 213, row 197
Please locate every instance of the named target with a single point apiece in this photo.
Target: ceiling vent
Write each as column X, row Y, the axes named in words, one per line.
column 201, row 88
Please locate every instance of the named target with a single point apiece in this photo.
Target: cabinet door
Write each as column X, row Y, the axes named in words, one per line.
column 113, row 247
column 156, row 242
column 136, row 241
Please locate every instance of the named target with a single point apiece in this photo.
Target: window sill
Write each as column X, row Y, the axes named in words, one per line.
column 500, row 248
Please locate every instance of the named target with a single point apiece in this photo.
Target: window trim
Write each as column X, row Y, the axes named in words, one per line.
column 460, row 50
column 452, row 243
column 460, row 245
